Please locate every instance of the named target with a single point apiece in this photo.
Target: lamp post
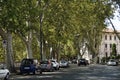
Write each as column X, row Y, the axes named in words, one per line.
column 4, row 46
column 41, row 33
column 41, row 37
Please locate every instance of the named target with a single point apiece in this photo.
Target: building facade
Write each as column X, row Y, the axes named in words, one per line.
column 108, row 39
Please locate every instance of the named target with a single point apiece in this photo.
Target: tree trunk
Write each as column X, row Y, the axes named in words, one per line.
column 29, row 50
column 9, row 53
column 94, row 58
column 8, row 49
column 29, row 45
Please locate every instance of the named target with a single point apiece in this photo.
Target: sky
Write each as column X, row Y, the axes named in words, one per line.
column 115, row 21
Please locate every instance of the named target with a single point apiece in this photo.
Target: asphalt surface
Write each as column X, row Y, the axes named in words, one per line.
column 91, row 72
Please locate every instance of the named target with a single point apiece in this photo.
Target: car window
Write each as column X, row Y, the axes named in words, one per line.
column 63, row 61
column 44, row 62
column 27, row 61
column 82, row 59
column 53, row 61
column 112, row 60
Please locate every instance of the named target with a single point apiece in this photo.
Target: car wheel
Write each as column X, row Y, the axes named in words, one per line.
column 40, row 72
column 34, row 72
column 6, row 77
column 21, row 72
column 52, row 69
column 58, row 68
column 55, row 68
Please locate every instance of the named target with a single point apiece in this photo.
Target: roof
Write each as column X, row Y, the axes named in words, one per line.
column 109, row 30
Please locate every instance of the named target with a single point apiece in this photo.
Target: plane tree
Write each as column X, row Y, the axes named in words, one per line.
column 56, row 26
column 94, row 34
column 54, row 21
column 16, row 17
column 68, row 18
column 116, row 4
column 7, row 21
column 89, row 19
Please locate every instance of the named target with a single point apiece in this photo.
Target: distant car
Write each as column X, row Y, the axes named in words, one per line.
column 74, row 61
column 46, row 65
column 4, row 73
column 56, row 65
column 28, row 66
column 64, row 63
column 82, row 62
column 112, row 62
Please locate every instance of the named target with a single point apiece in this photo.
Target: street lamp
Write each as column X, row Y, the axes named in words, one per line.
column 41, row 16
column 41, row 41
column 41, row 36
column 4, row 46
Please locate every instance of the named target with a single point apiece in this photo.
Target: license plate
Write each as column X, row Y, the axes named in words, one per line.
column 26, row 67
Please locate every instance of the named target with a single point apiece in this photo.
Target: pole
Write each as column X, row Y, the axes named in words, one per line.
column 4, row 46
column 41, row 39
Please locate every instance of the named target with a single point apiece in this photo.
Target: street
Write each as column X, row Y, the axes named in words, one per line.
column 91, row 72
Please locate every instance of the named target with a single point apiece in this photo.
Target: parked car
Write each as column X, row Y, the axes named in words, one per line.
column 46, row 65
column 56, row 65
column 87, row 61
column 82, row 62
column 28, row 66
column 4, row 72
column 112, row 62
column 64, row 63
column 74, row 61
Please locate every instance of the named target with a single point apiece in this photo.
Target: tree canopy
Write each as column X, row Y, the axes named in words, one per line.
column 59, row 20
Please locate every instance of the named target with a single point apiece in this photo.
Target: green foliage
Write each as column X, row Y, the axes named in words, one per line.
column 19, row 48
column 114, row 51
column 62, row 20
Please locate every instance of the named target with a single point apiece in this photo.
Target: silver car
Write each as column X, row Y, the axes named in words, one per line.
column 4, row 73
column 64, row 63
column 112, row 62
column 56, row 65
column 46, row 66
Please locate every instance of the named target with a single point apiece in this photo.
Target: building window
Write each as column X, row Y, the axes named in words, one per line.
column 105, row 45
column 114, row 37
column 106, row 54
column 110, row 37
column 110, row 45
column 105, row 37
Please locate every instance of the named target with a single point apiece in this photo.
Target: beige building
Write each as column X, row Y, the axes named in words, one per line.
column 109, row 38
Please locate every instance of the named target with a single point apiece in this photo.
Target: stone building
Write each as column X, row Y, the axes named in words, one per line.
column 108, row 38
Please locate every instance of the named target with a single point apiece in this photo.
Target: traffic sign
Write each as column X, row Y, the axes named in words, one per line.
column 4, row 43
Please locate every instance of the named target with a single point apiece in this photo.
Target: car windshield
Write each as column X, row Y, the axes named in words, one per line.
column 27, row 61
column 44, row 62
column 112, row 60
column 63, row 61
column 53, row 61
column 82, row 59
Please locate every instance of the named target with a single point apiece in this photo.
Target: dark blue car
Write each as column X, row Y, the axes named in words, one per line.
column 27, row 66
column 82, row 62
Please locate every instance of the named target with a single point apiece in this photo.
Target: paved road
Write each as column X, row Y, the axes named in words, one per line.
column 91, row 72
